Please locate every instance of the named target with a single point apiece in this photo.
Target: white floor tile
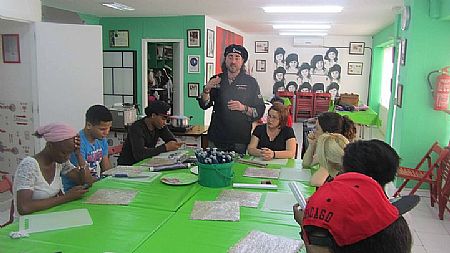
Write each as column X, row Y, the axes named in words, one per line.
column 415, row 237
column 446, row 222
column 428, row 225
column 435, row 242
column 418, row 249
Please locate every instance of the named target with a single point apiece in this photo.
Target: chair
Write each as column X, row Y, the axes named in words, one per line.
column 6, row 201
column 443, row 187
column 433, row 157
column 321, row 103
column 114, row 150
column 304, row 105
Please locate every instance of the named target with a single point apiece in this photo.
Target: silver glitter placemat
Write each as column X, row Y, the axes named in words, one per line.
column 262, row 173
column 248, row 199
column 260, row 242
column 112, row 197
column 216, row 210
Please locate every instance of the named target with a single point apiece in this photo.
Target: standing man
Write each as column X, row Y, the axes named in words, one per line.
column 143, row 135
column 236, row 100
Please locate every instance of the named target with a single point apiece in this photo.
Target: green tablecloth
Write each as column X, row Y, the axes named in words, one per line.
column 368, row 117
column 157, row 220
column 181, row 234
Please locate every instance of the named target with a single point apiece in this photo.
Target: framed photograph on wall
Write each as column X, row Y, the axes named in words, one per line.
column 193, row 63
column 210, row 42
column 209, row 70
column 10, row 48
column 261, row 46
column 119, row 38
column 356, row 48
column 399, row 98
column 193, row 90
column 260, row 65
column 193, row 37
column 355, row 68
column 403, row 45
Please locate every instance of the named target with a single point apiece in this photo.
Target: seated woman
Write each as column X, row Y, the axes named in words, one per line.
column 329, row 150
column 328, row 122
column 37, row 181
column 274, row 139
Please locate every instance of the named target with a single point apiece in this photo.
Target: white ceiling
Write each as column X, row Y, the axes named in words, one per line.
column 359, row 17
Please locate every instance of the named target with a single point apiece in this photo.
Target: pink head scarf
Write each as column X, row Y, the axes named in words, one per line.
column 55, row 132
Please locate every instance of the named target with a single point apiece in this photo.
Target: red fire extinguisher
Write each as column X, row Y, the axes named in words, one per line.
column 442, row 89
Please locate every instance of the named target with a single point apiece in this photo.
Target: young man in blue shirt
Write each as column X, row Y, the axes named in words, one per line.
column 93, row 152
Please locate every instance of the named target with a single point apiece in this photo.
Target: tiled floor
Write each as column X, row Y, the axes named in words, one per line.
column 430, row 235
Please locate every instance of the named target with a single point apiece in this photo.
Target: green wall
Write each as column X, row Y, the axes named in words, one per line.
column 416, row 124
column 162, row 28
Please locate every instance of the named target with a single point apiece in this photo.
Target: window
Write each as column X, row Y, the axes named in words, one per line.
column 386, row 76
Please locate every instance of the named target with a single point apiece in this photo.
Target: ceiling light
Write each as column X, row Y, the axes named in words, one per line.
column 303, row 9
column 118, row 6
column 304, row 33
column 302, row 26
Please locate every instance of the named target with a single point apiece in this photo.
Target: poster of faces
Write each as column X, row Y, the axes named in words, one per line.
column 320, row 73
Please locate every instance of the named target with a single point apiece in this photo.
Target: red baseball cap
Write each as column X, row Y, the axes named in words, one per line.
column 352, row 208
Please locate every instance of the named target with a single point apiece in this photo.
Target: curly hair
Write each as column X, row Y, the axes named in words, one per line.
column 332, row 122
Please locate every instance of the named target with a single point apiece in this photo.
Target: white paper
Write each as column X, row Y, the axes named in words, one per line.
column 146, row 177
column 256, row 186
column 52, row 221
column 273, row 161
column 279, row 202
column 260, row 242
column 295, row 175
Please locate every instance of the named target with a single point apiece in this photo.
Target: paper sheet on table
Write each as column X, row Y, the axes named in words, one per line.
column 273, row 161
column 146, row 177
column 279, row 202
column 174, row 154
column 112, row 197
column 216, row 210
column 295, row 175
column 245, row 198
column 257, row 242
column 52, row 221
column 126, row 170
column 262, row 173
column 158, row 161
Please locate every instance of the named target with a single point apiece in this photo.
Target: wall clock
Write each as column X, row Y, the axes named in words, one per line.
column 406, row 17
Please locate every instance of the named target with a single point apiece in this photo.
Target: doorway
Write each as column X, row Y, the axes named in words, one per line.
column 168, row 55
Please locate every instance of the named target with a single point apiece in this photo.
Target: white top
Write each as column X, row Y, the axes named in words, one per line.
column 28, row 176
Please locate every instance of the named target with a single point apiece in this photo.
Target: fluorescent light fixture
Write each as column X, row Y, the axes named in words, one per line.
column 304, row 9
column 304, row 33
column 302, row 26
column 118, row 6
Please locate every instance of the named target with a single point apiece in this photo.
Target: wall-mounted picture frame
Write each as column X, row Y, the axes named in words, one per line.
column 193, row 63
column 210, row 42
column 355, row 68
column 356, row 48
column 119, row 38
column 193, row 38
column 209, row 70
column 193, row 90
column 403, row 45
column 260, row 65
column 399, row 98
column 261, row 46
column 10, row 48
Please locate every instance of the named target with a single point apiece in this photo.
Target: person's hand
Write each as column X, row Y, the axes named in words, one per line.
column 77, row 143
column 173, row 145
column 312, row 138
column 266, row 154
column 234, row 105
column 213, row 83
column 76, row 192
column 298, row 214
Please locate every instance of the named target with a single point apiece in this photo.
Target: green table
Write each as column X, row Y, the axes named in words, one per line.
column 367, row 118
column 181, row 234
column 157, row 220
